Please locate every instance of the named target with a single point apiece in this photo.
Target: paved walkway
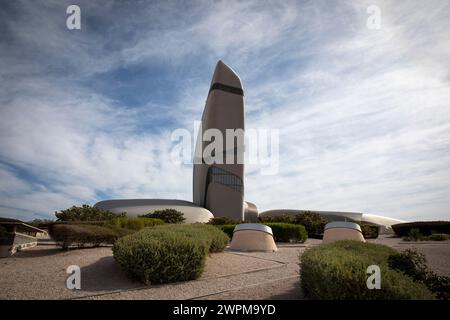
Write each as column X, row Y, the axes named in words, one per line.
column 40, row 273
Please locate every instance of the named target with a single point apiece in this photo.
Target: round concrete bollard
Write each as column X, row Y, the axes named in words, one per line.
column 253, row 237
column 339, row 230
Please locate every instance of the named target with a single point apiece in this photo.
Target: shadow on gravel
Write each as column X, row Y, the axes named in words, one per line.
column 294, row 293
column 33, row 253
column 105, row 275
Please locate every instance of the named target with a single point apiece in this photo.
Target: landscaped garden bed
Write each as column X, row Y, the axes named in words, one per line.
column 338, row 271
column 168, row 253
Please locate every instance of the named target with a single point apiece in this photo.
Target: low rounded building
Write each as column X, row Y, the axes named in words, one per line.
column 383, row 223
column 138, row 207
column 253, row 237
column 340, row 230
column 250, row 212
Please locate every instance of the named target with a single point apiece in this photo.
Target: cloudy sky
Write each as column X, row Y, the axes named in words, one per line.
column 363, row 115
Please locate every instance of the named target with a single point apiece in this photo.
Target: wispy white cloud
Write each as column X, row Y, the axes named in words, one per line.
column 363, row 114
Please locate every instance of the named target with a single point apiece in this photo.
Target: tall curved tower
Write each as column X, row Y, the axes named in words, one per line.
column 219, row 185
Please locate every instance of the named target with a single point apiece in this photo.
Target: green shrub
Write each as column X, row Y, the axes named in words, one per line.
column 410, row 262
column 6, row 238
column 86, row 213
column 120, row 232
column 313, row 222
column 40, row 223
column 338, row 271
column 2, row 232
column 167, row 215
column 279, row 218
column 134, row 223
column 82, row 235
column 438, row 237
column 415, row 235
column 227, row 228
column 288, row 232
column 282, row 232
column 219, row 239
column 218, row 221
column 168, row 253
column 440, row 285
column 414, row 264
column 369, row 231
column 425, row 227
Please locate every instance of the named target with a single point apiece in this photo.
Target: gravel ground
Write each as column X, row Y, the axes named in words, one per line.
column 40, row 273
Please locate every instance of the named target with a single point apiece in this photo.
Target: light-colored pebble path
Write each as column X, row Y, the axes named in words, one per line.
column 40, row 273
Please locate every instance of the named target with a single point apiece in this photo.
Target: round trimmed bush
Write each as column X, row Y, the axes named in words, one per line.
column 338, row 271
column 168, row 253
column 161, row 259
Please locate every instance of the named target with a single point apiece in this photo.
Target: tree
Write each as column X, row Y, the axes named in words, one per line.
column 313, row 222
column 86, row 213
column 167, row 215
column 39, row 222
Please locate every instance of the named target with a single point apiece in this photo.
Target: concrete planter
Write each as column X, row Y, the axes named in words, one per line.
column 335, row 231
column 253, row 237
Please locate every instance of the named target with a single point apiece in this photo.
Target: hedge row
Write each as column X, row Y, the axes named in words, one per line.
column 81, row 235
column 94, row 233
column 168, row 253
column 425, row 227
column 438, row 237
column 337, row 271
column 134, row 223
column 313, row 222
column 416, row 235
column 282, row 232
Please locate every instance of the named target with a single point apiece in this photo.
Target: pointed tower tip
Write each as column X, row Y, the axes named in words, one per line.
column 225, row 75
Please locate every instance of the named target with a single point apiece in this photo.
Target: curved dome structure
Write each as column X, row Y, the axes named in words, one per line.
column 339, row 230
column 253, row 237
column 138, row 207
column 384, row 223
